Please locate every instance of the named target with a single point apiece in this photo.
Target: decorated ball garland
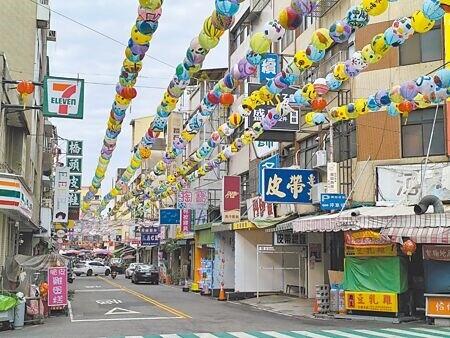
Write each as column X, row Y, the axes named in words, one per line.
column 149, row 12
column 214, row 26
column 289, row 19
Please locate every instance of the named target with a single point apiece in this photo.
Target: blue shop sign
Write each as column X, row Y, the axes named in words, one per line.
column 288, row 185
column 149, row 236
column 332, row 201
column 269, row 67
column 169, row 216
column 269, row 163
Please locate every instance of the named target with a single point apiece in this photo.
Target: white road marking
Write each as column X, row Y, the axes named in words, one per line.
column 170, row 336
column 120, row 311
column 205, row 335
column 414, row 334
column 276, row 334
column 118, row 319
column 442, row 333
column 69, row 305
column 379, row 334
column 241, row 334
column 343, row 334
column 310, row 334
column 102, row 290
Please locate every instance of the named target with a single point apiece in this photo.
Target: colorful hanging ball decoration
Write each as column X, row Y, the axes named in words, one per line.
column 350, row 69
column 408, row 90
column 304, row 7
column 395, row 94
column 382, row 97
column 332, row 82
column 318, row 104
column 375, row 7
column 259, row 43
column 392, row 110
column 274, row 31
column 432, row 10
column 149, row 15
column 409, row 247
column 226, row 99
column 372, row 104
column 339, row 72
column 402, row 28
column 25, row 88
column 128, row 93
column 421, row 23
column 425, row 85
column 211, row 30
column 207, row 42
column 368, row 55
column 151, row 4
column 361, row 107
column 309, row 92
column 392, row 39
column 445, row 5
column 442, row 78
column 289, row 18
column 405, row 107
column 222, row 22
column 318, row 119
column 320, row 85
column 314, row 54
column 227, row 7
column 321, row 39
column 301, row 60
column 357, row 17
column 358, row 61
column 379, row 45
column 340, row 31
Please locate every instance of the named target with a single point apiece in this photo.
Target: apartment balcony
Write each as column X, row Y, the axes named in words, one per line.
column 323, row 6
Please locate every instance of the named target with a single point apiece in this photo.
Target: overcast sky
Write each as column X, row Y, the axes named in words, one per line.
column 97, row 59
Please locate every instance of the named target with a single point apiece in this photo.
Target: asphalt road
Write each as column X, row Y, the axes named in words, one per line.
column 103, row 307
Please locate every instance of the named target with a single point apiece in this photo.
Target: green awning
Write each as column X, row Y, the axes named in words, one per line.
column 205, row 237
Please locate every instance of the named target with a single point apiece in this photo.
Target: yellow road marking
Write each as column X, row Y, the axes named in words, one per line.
column 148, row 299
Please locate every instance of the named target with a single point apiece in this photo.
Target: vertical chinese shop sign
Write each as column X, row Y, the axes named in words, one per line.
column 57, row 286
column 231, row 199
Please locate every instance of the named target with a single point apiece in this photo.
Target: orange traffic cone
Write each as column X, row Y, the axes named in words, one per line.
column 205, row 289
column 222, row 294
column 316, row 307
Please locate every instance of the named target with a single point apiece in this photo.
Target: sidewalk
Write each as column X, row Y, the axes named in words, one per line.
column 285, row 305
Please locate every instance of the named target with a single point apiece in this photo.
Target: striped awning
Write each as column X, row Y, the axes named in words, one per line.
column 433, row 235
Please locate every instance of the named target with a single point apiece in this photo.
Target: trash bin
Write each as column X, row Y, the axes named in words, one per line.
column 19, row 312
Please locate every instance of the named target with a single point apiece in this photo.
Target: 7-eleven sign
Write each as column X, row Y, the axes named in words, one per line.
column 63, row 97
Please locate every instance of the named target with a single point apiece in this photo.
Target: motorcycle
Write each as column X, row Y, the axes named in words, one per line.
column 113, row 274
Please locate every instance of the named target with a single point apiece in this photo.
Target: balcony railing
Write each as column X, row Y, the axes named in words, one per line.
column 258, row 5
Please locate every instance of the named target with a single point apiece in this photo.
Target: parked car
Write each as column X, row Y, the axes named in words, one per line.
column 129, row 271
column 90, row 268
column 145, row 273
column 117, row 264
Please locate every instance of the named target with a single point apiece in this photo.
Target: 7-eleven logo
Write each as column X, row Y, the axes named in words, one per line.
column 63, row 97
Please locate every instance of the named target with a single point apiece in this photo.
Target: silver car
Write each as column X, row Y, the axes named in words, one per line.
column 129, row 271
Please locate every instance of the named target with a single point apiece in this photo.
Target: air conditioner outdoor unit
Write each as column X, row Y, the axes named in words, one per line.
column 316, row 190
column 320, row 160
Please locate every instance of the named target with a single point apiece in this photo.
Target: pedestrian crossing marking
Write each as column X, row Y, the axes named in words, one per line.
column 417, row 332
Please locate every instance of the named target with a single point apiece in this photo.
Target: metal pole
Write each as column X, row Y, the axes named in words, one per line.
column 257, row 273
column 331, row 141
column 428, row 152
column 354, row 186
column 299, row 273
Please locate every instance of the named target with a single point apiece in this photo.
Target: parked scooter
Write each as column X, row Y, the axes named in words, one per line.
column 113, row 274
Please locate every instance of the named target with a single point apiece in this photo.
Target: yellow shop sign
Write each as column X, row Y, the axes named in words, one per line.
column 371, row 301
column 243, row 225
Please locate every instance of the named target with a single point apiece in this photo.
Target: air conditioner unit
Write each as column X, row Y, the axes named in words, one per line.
column 320, row 160
column 43, row 15
column 316, row 190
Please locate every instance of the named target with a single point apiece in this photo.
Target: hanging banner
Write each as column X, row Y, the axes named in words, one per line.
column 269, row 67
column 169, row 216
column 436, row 252
column 74, row 182
column 185, row 220
column 287, row 185
column 366, row 238
column 63, row 97
column 231, row 199
column 371, row 301
column 149, row 236
column 75, row 165
column 402, row 183
column 61, row 195
column 193, row 199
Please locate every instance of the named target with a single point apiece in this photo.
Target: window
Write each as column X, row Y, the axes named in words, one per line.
column 288, row 38
column 422, row 47
column 307, row 21
column 344, row 145
column 245, row 189
column 416, row 133
column 238, row 36
column 308, row 148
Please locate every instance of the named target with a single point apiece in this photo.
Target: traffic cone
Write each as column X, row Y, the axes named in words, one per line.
column 222, row 294
column 194, row 287
column 316, row 307
column 186, row 286
column 205, row 290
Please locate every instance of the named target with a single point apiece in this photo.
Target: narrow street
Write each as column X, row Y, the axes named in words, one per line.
column 103, row 307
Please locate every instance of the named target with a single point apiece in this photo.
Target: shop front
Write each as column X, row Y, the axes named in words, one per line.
column 223, row 267
column 203, row 255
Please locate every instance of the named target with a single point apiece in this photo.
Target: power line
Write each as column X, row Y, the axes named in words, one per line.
column 100, row 33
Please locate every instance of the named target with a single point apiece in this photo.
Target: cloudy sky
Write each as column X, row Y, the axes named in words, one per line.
column 81, row 52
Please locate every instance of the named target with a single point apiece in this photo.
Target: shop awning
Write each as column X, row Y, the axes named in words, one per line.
column 272, row 222
column 370, row 218
column 219, row 227
column 282, row 227
column 436, row 235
